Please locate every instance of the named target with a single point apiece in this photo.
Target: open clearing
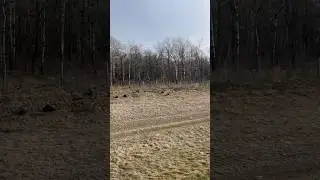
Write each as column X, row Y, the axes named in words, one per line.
column 160, row 135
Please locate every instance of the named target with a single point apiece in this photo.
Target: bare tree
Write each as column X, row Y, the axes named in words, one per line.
column 181, row 54
column 43, row 35
column 215, row 37
column 135, row 55
column 168, row 48
column 255, row 33
column 235, row 33
column 12, row 22
column 160, row 52
column 115, row 47
column 3, row 59
column 62, row 26
column 93, row 47
column 36, row 39
column 29, row 31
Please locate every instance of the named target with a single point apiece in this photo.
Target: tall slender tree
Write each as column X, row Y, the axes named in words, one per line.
column 62, row 26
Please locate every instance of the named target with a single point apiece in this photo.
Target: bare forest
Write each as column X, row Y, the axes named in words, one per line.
column 174, row 60
column 53, row 38
column 253, row 37
column 53, row 98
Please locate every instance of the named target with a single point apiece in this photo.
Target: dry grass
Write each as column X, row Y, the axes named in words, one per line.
column 268, row 131
column 261, row 131
column 161, row 134
column 159, row 87
column 176, row 153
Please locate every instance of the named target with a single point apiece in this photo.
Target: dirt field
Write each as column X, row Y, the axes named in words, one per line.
column 69, row 143
column 160, row 135
column 260, row 132
column 268, row 132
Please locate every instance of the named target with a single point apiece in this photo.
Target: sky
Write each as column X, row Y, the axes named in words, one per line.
column 146, row 22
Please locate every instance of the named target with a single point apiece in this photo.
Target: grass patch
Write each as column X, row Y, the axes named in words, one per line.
column 152, row 87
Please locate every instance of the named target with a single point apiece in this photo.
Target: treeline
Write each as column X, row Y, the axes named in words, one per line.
column 42, row 36
column 174, row 60
column 259, row 35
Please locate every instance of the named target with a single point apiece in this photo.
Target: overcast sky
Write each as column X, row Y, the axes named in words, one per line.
column 146, row 22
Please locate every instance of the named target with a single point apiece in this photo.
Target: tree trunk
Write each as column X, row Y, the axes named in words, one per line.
column 168, row 67
column 235, row 34
column 176, row 72
column 62, row 25
column 112, row 69
column 43, row 37
column 13, row 35
column 163, row 72
column 318, row 67
column 36, row 41
column 93, row 49
column 274, row 47
column 237, row 39
column 258, row 50
column 122, row 70
column 213, row 51
column 11, row 62
column 83, row 33
column 3, row 59
column 129, row 71
column 217, row 37
column 27, row 32
column 107, row 68
column 79, row 50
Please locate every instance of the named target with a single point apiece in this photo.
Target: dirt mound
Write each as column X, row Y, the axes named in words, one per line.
column 167, row 92
column 48, row 108
column 34, row 93
column 127, row 93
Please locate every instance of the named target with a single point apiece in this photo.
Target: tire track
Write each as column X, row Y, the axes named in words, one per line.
column 157, row 127
column 157, row 120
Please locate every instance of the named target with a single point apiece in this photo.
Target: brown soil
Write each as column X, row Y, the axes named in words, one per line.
column 272, row 132
column 68, row 143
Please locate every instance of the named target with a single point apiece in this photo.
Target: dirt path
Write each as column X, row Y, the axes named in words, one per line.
column 161, row 137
